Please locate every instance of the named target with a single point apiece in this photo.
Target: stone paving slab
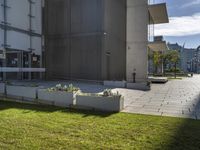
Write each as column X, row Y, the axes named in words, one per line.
column 154, row 104
column 177, row 98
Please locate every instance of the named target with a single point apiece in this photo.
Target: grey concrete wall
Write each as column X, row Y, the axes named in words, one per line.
column 115, row 40
column 79, row 33
column 74, row 38
column 58, row 58
column 86, row 39
column 97, row 39
column 57, row 30
column 137, row 26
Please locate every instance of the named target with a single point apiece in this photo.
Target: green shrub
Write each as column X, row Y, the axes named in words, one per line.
column 65, row 88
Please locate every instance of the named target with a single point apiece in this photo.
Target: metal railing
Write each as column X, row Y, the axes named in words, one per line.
column 14, row 69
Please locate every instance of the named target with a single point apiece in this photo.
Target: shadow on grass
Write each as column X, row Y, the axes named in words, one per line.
column 4, row 105
column 187, row 135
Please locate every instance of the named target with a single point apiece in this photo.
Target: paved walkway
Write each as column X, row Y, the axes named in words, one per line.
column 177, row 98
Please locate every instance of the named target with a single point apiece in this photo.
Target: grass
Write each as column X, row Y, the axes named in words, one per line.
column 24, row 126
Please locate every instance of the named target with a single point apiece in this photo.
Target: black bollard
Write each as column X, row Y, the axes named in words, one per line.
column 134, row 76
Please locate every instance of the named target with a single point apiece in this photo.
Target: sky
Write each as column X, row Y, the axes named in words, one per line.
column 184, row 25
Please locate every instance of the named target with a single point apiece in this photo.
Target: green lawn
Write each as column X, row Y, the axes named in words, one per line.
column 24, row 126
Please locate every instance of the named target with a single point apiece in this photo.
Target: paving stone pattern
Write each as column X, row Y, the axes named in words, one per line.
column 177, row 98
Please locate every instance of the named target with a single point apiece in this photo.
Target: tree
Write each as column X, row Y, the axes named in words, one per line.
column 174, row 58
column 157, row 60
column 166, row 56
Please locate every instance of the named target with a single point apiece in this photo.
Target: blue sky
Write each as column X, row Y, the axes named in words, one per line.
column 184, row 26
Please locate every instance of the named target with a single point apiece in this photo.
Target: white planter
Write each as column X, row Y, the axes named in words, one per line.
column 158, row 79
column 21, row 92
column 114, row 104
column 119, row 84
column 138, row 86
column 57, row 98
column 2, row 88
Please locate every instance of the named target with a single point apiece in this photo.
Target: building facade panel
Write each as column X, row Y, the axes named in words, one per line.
column 86, row 16
column 18, row 41
column 57, row 17
column 97, row 36
column 86, row 35
column 18, row 14
column 137, row 37
column 37, row 45
column 36, row 12
column 21, row 33
column 1, row 11
column 1, row 38
column 115, row 40
column 58, row 58
column 86, row 57
column 82, row 31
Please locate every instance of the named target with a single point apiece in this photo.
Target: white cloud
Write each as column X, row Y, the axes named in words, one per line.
column 180, row 26
column 191, row 3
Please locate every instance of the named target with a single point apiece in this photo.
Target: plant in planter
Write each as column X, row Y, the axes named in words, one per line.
column 108, row 92
column 108, row 101
column 65, row 88
column 60, row 95
column 71, row 88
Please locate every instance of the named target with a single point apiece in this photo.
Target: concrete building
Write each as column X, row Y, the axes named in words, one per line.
column 77, row 39
column 99, row 39
column 195, row 61
column 85, row 39
column 21, row 39
column 187, row 56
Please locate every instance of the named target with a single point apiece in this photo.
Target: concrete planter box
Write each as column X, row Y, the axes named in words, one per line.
column 158, row 79
column 2, row 89
column 57, row 98
column 138, row 86
column 21, row 92
column 119, row 84
column 113, row 104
